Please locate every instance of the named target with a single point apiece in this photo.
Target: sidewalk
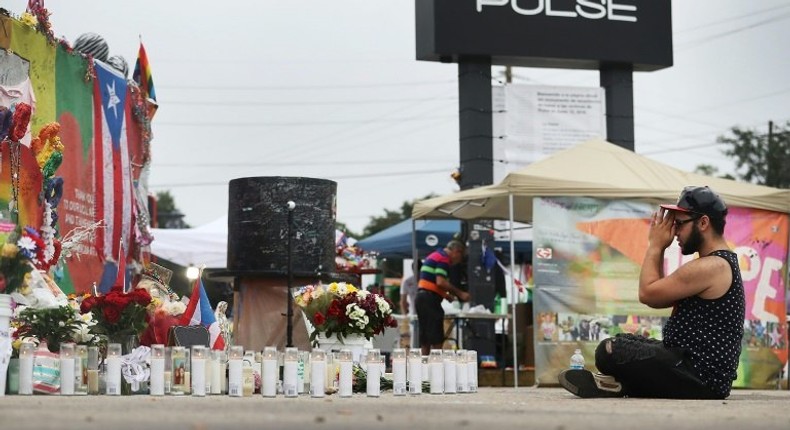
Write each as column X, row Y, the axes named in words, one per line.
column 501, row 408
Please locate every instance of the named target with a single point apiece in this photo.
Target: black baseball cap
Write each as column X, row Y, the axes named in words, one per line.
column 700, row 200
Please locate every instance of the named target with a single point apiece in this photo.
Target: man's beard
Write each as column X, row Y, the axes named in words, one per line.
column 694, row 241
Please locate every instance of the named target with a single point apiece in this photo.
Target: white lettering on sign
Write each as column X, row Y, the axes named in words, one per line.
column 763, row 271
column 588, row 9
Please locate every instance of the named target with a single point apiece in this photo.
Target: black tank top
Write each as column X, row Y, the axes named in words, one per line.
column 712, row 330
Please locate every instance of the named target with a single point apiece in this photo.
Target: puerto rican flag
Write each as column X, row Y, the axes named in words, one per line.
column 199, row 313
column 112, row 169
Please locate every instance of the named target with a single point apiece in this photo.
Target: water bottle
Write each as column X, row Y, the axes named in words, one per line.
column 577, row 359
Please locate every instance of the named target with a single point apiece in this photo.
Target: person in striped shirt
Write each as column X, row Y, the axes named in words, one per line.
column 433, row 287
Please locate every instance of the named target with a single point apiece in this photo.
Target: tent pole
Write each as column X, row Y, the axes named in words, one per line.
column 513, row 292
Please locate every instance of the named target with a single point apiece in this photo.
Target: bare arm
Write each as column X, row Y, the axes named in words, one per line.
column 449, row 288
column 693, row 278
column 404, row 304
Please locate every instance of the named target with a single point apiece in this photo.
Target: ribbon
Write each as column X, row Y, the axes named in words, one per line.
column 518, row 283
column 134, row 366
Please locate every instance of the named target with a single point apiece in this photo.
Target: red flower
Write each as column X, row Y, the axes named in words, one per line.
column 19, row 122
column 140, row 296
column 111, row 314
column 319, row 319
column 335, row 310
column 117, row 299
column 88, row 303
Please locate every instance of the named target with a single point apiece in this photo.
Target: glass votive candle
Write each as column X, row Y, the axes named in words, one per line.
column 179, row 359
column 436, row 369
column 269, row 370
column 81, row 369
column 234, row 371
column 399, row 372
column 66, row 369
column 415, row 372
column 93, row 370
column 157, row 378
column 317, row 373
column 198, row 370
column 373, row 360
column 345, row 376
column 290, row 362
column 461, row 377
column 113, row 387
column 448, row 360
column 26, row 354
column 471, row 370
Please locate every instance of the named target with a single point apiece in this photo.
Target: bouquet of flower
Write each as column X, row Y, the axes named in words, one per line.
column 340, row 309
column 118, row 313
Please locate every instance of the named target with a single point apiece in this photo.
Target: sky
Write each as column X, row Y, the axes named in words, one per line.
column 332, row 90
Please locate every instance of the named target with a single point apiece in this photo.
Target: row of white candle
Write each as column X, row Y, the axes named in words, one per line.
column 448, row 371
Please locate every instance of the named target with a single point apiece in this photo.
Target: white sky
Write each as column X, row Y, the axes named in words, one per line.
column 331, row 89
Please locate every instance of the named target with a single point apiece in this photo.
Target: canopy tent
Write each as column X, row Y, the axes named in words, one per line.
column 597, row 169
column 206, row 244
column 396, row 241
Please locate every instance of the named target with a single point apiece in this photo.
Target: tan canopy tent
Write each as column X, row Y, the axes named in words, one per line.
column 593, row 169
column 597, row 169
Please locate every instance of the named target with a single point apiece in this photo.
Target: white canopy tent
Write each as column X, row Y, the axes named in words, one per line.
column 597, row 169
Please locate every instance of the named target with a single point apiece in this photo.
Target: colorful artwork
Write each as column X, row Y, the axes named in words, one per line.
column 65, row 86
column 586, row 264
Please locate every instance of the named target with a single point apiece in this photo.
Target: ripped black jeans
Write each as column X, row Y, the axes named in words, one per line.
column 647, row 368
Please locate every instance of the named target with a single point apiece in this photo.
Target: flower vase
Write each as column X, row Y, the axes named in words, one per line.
column 355, row 342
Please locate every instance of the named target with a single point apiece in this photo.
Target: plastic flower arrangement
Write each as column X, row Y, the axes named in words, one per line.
column 118, row 313
column 341, row 310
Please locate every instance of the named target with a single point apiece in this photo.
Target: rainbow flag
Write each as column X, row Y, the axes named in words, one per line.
column 142, row 73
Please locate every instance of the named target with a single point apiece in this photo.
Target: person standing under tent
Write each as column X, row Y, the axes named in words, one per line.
column 408, row 304
column 433, row 287
column 698, row 356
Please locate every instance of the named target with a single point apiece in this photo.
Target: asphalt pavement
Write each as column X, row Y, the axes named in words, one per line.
column 505, row 408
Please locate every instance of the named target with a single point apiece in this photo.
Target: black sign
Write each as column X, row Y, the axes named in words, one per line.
column 577, row 34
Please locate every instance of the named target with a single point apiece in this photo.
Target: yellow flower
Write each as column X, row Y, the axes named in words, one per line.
column 28, row 19
column 16, row 344
column 9, row 250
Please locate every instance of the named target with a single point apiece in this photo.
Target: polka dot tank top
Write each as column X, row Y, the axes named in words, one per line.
column 712, row 330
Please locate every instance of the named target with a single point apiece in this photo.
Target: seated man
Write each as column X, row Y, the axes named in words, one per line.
column 698, row 356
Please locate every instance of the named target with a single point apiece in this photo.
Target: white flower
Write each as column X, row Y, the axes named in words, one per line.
column 27, row 243
column 362, row 294
column 174, row 308
column 382, row 304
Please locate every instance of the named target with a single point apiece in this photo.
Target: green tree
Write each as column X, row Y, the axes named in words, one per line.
column 167, row 214
column 391, row 217
column 761, row 158
column 342, row 227
column 711, row 170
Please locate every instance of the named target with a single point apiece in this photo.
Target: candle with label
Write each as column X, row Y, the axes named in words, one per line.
column 289, row 372
column 113, row 387
column 179, row 368
column 415, row 372
column 234, row 371
column 448, row 360
column 461, row 378
column 81, row 369
column 217, row 371
column 436, row 369
column 93, row 370
column 198, row 370
column 471, row 370
column 157, row 377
